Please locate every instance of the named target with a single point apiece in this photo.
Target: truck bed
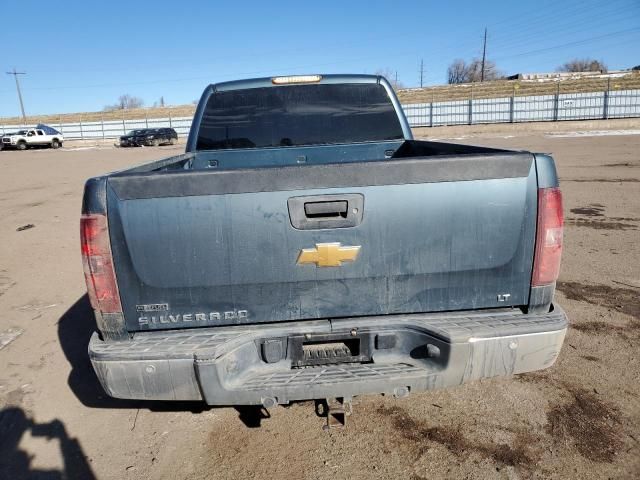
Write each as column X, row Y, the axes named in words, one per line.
column 310, row 155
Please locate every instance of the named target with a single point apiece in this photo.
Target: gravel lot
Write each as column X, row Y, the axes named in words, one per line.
column 579, row 419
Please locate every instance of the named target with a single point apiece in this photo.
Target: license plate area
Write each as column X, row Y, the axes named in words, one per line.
column 329, row 349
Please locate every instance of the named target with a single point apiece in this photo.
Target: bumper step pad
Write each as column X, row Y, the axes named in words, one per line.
column 330, row 375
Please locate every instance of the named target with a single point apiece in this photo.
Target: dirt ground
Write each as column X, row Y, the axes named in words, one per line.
column 579, row 419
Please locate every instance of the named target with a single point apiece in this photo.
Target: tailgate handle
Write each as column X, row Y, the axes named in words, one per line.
column 313, row 212
column 331, row 209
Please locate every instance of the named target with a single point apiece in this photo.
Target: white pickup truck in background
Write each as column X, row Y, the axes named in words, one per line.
column 41, row 136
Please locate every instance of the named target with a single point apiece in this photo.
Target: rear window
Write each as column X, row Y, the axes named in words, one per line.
column 298, row 115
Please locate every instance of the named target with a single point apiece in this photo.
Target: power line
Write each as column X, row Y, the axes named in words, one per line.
column 565, row 27
column 523, row 20
column 524, row 29
column 570, row 44
column 15, row 76
column 518, row 24
column 444, row 48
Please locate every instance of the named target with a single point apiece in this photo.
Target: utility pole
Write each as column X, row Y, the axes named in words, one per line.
column 421, row 72
column 15, row 75
column 395, row 87
column 484, row 54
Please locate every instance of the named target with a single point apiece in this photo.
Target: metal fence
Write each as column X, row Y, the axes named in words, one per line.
column 531, row 108
column 106, row 129
column 511, row 109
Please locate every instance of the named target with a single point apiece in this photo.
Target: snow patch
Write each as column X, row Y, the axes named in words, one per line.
column 593, row 133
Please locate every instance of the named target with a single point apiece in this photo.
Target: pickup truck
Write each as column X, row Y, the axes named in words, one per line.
column 307, row 247
column 41, row 136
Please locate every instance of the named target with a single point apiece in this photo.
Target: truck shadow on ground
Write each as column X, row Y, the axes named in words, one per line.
column 75, row 328
column 16, row 463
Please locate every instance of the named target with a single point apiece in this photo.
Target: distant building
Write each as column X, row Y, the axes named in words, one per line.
column 555, row 76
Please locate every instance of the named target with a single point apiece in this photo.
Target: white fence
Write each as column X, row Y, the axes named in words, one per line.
column 110, row 128
column 532, row 108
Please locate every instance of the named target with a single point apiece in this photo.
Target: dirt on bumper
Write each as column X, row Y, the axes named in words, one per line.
column 229, row 366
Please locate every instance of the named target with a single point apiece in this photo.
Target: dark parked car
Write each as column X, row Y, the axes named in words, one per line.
column 151, row 137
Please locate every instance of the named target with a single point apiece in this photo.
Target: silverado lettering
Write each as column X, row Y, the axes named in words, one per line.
column 191, row 317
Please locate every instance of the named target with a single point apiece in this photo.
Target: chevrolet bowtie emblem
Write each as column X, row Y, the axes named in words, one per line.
column 328, row 254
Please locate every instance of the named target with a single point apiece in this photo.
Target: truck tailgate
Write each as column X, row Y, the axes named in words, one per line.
column 207, row 247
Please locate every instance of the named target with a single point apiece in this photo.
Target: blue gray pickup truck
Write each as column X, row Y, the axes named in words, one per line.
column 307, row 247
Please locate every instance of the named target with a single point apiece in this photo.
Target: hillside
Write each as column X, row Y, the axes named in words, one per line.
column 442, row 93
column 507, row 88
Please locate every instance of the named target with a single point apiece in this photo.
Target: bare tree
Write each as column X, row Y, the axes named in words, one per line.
column 475, row 71
column 583, row 65
column 461, row 72
column 159, row 103
column 126, row 102
column 392, row 76
column 457, row 72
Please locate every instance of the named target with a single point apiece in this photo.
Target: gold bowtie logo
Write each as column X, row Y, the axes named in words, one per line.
column 328, row 254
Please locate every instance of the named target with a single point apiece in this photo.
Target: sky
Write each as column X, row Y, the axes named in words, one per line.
column 81, row 55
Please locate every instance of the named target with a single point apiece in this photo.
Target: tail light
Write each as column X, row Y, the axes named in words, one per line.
column 98, row 264
column 546, row 263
